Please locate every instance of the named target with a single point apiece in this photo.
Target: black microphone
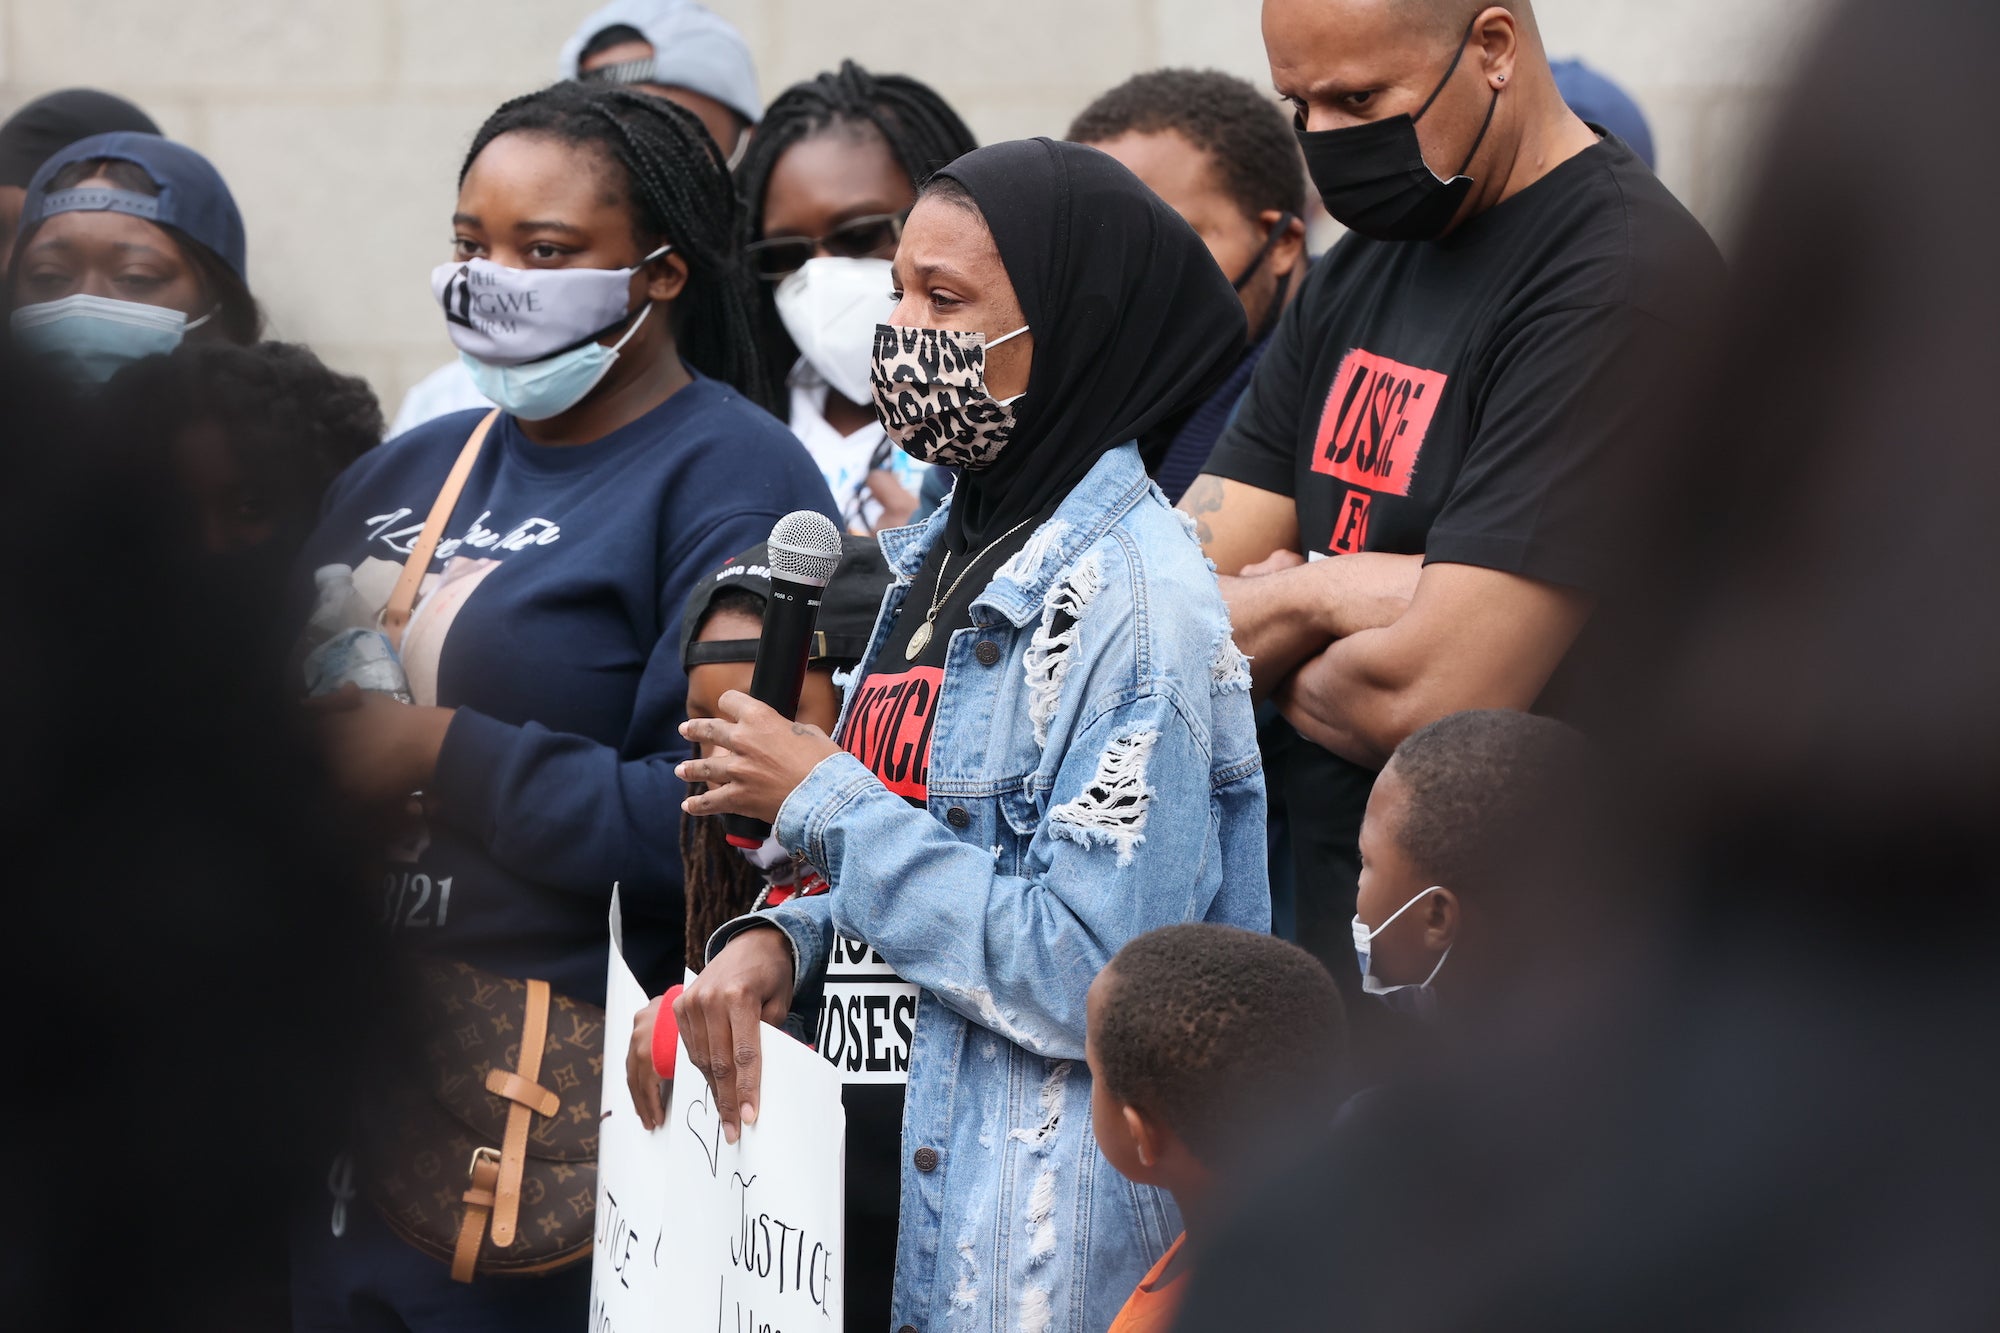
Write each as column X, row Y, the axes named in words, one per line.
column 804, row 548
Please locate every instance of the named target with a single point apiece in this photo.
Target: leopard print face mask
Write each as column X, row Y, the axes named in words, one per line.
column 930, row 394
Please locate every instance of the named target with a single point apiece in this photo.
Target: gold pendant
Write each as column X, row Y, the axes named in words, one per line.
column 919, row 641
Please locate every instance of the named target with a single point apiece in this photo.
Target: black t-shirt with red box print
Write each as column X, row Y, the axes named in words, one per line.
column 1476, row 400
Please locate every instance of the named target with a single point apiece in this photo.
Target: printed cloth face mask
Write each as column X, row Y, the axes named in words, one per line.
column 930, row 394
column 1417, row 997
column 528, row 337
column 91, row 337
column 1373, row 178
column 831, row 306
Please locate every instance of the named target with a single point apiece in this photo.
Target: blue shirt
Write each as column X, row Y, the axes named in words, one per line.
column 554, row 633
column 1195, row 441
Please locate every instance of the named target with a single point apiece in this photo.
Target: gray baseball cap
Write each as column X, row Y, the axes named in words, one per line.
column 693, row 48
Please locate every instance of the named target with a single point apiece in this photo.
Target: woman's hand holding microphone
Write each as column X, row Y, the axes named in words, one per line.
column 755, row 758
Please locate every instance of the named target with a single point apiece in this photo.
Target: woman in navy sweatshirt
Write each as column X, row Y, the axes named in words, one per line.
column 596, row 293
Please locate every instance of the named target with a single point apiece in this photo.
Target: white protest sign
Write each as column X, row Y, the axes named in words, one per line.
column 756, row 1239
column 627, row 1291
column 695, row 1235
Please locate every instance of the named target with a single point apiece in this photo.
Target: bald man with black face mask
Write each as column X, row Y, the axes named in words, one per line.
column 1421, row 501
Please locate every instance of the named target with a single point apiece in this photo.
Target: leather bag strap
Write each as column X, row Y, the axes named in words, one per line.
column 517, row 1089
column 514, row 1145
column 403, row 598
column 481, row 1180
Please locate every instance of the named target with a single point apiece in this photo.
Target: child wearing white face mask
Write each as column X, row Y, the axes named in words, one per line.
column 1459, row 824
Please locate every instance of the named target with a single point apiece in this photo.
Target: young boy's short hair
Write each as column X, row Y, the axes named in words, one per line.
column 1495, row 797
column 1212, row 1029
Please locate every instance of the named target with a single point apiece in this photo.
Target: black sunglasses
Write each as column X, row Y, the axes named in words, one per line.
column 857, row 238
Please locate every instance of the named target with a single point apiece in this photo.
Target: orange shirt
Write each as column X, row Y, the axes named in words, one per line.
column 1152, row 1307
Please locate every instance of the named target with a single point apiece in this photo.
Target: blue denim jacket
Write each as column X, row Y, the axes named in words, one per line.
column 1089, row 785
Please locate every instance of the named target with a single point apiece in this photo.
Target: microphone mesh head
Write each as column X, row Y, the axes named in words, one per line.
column 804, row 547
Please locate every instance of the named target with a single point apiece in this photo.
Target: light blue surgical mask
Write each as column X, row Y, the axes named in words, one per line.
column 90, row 337
column 1414, row 998
column 550, row 387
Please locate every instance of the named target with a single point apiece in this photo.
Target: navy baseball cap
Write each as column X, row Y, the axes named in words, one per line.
column 192, row 197
column 847, row 609
column 1600, row 102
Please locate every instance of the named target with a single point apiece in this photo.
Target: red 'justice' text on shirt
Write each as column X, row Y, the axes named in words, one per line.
column 889, row 728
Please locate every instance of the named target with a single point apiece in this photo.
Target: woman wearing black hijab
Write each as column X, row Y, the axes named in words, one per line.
column 1049, row 750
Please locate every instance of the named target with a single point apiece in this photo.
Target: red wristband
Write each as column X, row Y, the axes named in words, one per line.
column 666, row 1034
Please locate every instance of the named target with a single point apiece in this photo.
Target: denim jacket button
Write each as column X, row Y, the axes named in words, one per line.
column 926, row 1159
column 987, row 651
column 957, row 817
column 907, row 1328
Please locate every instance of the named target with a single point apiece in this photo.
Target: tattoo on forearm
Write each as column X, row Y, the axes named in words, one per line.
column 801, row 729
column 1204, row 497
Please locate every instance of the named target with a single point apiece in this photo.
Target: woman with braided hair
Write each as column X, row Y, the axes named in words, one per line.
column 833, row 170
column 596, row 292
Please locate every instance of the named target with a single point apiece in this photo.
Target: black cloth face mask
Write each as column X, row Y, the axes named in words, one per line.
column 1277, row 233
column 1270, row 320
column 1374, row 180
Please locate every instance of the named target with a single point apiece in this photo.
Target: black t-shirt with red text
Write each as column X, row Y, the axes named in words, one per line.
column 1469, row 399
column 889, row 725
column 1477, row 400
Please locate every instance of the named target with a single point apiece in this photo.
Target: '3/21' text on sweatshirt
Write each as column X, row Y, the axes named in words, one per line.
column 551, row 622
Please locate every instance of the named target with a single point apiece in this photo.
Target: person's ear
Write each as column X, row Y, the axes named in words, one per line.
column 1496, row 39
column 1442, row 912
column 1288, row 252
column 666, row 277
column 1149, row 1136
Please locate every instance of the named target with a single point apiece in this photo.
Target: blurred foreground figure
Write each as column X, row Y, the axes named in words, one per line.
column 1779, row 1115
column 182, row 960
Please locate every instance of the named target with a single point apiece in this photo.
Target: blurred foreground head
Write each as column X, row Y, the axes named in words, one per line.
column 1810, row 698
column 252, row 436
column 1784, row 1118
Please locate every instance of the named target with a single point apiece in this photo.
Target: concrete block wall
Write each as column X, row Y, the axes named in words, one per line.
column 340, row 123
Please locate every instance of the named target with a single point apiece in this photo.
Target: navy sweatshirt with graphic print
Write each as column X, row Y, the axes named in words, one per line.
column 553, row 630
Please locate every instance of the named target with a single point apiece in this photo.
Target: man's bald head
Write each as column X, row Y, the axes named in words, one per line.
column 1471, row 73
column 1450, row 18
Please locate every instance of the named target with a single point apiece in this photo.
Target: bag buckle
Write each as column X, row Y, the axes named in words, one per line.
column 490, row 1154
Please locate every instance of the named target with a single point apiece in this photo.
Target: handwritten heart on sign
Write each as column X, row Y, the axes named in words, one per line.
column 711, row 1144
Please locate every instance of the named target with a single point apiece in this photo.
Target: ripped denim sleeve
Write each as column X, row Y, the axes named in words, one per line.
column 1057, row 642
column 1112, row 808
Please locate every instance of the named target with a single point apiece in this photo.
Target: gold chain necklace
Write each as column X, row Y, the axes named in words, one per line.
column 920, row 639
